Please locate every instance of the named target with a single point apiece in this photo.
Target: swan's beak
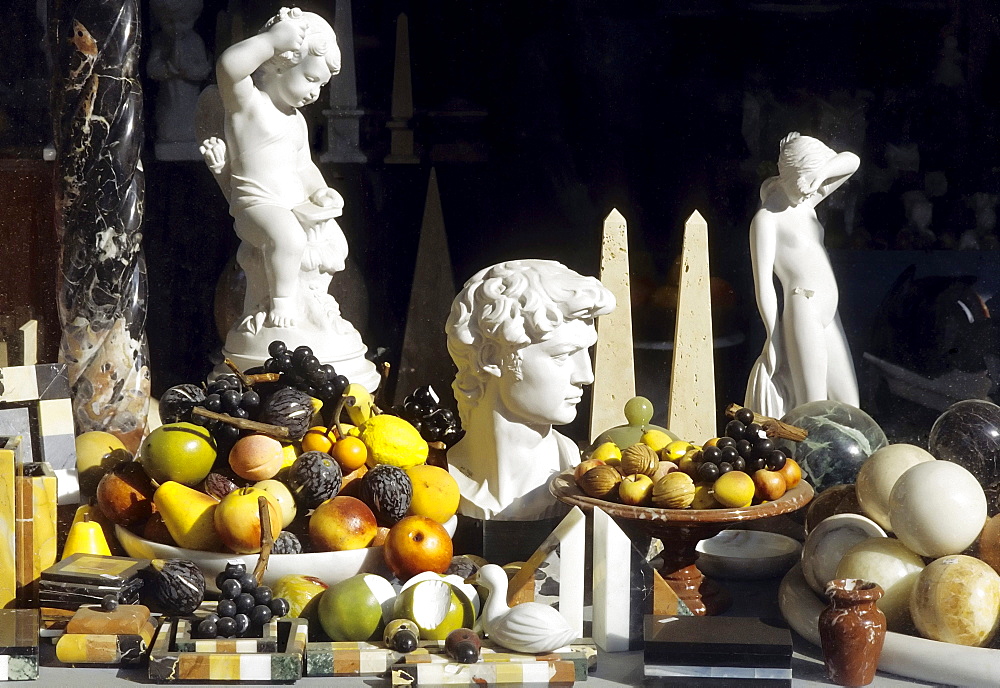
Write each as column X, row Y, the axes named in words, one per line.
column 473, row 579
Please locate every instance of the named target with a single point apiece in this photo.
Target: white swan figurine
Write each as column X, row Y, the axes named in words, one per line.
column 530, row 627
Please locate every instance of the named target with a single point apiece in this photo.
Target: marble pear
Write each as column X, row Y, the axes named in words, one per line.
column 189, row 516
column 86, row 536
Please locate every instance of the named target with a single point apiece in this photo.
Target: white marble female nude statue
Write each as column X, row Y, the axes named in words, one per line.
column 806, row 356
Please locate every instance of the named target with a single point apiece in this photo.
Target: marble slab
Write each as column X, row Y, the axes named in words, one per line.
column 564, row 569
column 167, row 664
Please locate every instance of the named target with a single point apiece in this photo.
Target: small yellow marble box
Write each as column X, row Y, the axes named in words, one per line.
column 36, row 497
column 8, row 546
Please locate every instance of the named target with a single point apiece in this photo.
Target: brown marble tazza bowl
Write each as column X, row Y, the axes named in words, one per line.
column 680, row 531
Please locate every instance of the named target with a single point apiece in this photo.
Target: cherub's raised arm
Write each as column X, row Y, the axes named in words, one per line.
column 242, row 59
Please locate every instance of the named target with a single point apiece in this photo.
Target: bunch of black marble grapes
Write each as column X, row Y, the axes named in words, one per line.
column 227, row 394
column 422, row 409
column 301, row 369
column 244, row 607
column 743, row 447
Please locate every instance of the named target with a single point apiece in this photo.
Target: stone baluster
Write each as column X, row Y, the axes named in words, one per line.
column 97, row 115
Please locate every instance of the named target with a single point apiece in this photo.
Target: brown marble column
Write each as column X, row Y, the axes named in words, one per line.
column 97, row 115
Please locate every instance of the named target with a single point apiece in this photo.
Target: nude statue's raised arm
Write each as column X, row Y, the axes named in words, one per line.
column 831, row 176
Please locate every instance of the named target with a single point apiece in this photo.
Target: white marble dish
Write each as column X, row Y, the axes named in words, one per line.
column 747, row 554
column 829, row 541
column 905, row 655
column 329, row 567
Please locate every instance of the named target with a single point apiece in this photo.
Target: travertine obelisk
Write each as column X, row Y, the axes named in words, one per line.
column 614, row 362
column 691, row 413
column 97, row 113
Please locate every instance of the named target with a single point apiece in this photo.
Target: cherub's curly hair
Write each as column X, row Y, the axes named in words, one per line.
column 320, row 40
column 509, row 306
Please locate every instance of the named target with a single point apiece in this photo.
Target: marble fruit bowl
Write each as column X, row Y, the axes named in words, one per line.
column 681, row 530
column 329, row 567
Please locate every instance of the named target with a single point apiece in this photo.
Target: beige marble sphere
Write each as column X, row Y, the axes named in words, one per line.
column 879, row 474
column 938, row 508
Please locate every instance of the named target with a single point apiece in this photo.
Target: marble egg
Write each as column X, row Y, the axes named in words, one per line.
column 968, row 433
column 878, row 475
column 840, row 438
column 894, row 567
column 937, row 508
column 956, row 599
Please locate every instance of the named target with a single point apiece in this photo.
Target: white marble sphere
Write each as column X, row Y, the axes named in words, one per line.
column 956, row 599
column 937, row 508
column 894, row 567
column 827, row 544
column 879, row 473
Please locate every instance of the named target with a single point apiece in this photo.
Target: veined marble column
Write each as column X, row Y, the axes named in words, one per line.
column 97, row 113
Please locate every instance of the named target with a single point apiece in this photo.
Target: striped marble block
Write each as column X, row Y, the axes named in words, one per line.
column 36, row 498
column 348, row 659
column 18, row 644
column 523, row 674
column 268, row 642
column 167, row 664
column 373, row 659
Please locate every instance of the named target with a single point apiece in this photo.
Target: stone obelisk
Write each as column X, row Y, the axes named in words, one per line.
column 614, row 361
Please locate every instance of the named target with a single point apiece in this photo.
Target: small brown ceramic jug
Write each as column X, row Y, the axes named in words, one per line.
column 852, row 630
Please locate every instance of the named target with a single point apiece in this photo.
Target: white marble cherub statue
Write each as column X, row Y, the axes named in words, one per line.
column 283, row 209
column 806, row 356
column 520, row 334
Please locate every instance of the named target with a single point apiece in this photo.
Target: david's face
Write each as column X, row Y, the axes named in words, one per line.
column 546, row 384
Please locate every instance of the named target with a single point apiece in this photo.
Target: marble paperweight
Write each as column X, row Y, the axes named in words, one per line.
column 18, row 644
column 88, row 578
column 168, row 664
column 704, row 650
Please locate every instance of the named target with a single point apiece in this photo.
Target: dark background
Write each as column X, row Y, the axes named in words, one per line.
column 656, row 108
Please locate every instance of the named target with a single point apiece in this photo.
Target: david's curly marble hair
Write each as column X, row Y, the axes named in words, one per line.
column 508, row 306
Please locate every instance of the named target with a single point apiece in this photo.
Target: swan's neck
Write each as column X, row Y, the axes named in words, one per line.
column 496, row 603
